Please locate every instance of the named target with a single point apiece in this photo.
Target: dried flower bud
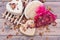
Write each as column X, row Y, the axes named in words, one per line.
column 42, row 1
column 54, row 24
column 17, row 0
column 10, row 0
column 9, row 36
column 46, row 38
column 17, row 33
column 13, row 5
column 41, row 33
column 3, row 30
column 31, row 39
column 49, row 8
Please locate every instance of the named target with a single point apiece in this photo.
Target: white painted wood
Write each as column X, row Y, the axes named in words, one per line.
column 46, row 0
column 55, row 7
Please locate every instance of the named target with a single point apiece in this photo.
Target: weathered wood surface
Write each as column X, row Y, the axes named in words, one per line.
column 46, row 0
column 55, row 7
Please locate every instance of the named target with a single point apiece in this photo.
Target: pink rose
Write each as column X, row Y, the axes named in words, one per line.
column 43, row 16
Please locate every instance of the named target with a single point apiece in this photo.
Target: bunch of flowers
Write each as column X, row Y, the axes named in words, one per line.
column 43, row 16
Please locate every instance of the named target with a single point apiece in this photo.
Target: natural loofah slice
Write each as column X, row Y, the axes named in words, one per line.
column 30, row 9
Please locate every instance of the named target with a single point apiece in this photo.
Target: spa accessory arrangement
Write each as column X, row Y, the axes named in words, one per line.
column 28, row 17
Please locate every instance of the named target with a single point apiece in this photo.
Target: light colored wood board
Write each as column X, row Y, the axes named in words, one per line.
column 46, row 0
column 54, row 5
column 7, row 30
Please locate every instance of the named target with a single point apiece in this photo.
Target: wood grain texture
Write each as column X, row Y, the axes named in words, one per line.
column 55, row 7
column 36, row 0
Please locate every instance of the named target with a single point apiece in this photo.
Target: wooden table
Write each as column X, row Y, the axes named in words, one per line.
column 51, row 36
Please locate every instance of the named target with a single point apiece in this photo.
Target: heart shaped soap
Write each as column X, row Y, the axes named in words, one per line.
column 15, row 7
column 27, row 30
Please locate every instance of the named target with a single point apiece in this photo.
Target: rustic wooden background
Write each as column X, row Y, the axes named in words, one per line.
column 54, row 4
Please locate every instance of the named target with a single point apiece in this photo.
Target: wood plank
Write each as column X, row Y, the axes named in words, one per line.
column 54, row 5
column 7, row 30
column 3, row 35
column 36, row 0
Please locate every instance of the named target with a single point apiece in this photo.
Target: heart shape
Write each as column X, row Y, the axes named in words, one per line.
column 25, row 29
column 15, row 7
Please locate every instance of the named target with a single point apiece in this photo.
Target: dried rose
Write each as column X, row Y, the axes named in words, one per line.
column 9, row 36
column 43, row 17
